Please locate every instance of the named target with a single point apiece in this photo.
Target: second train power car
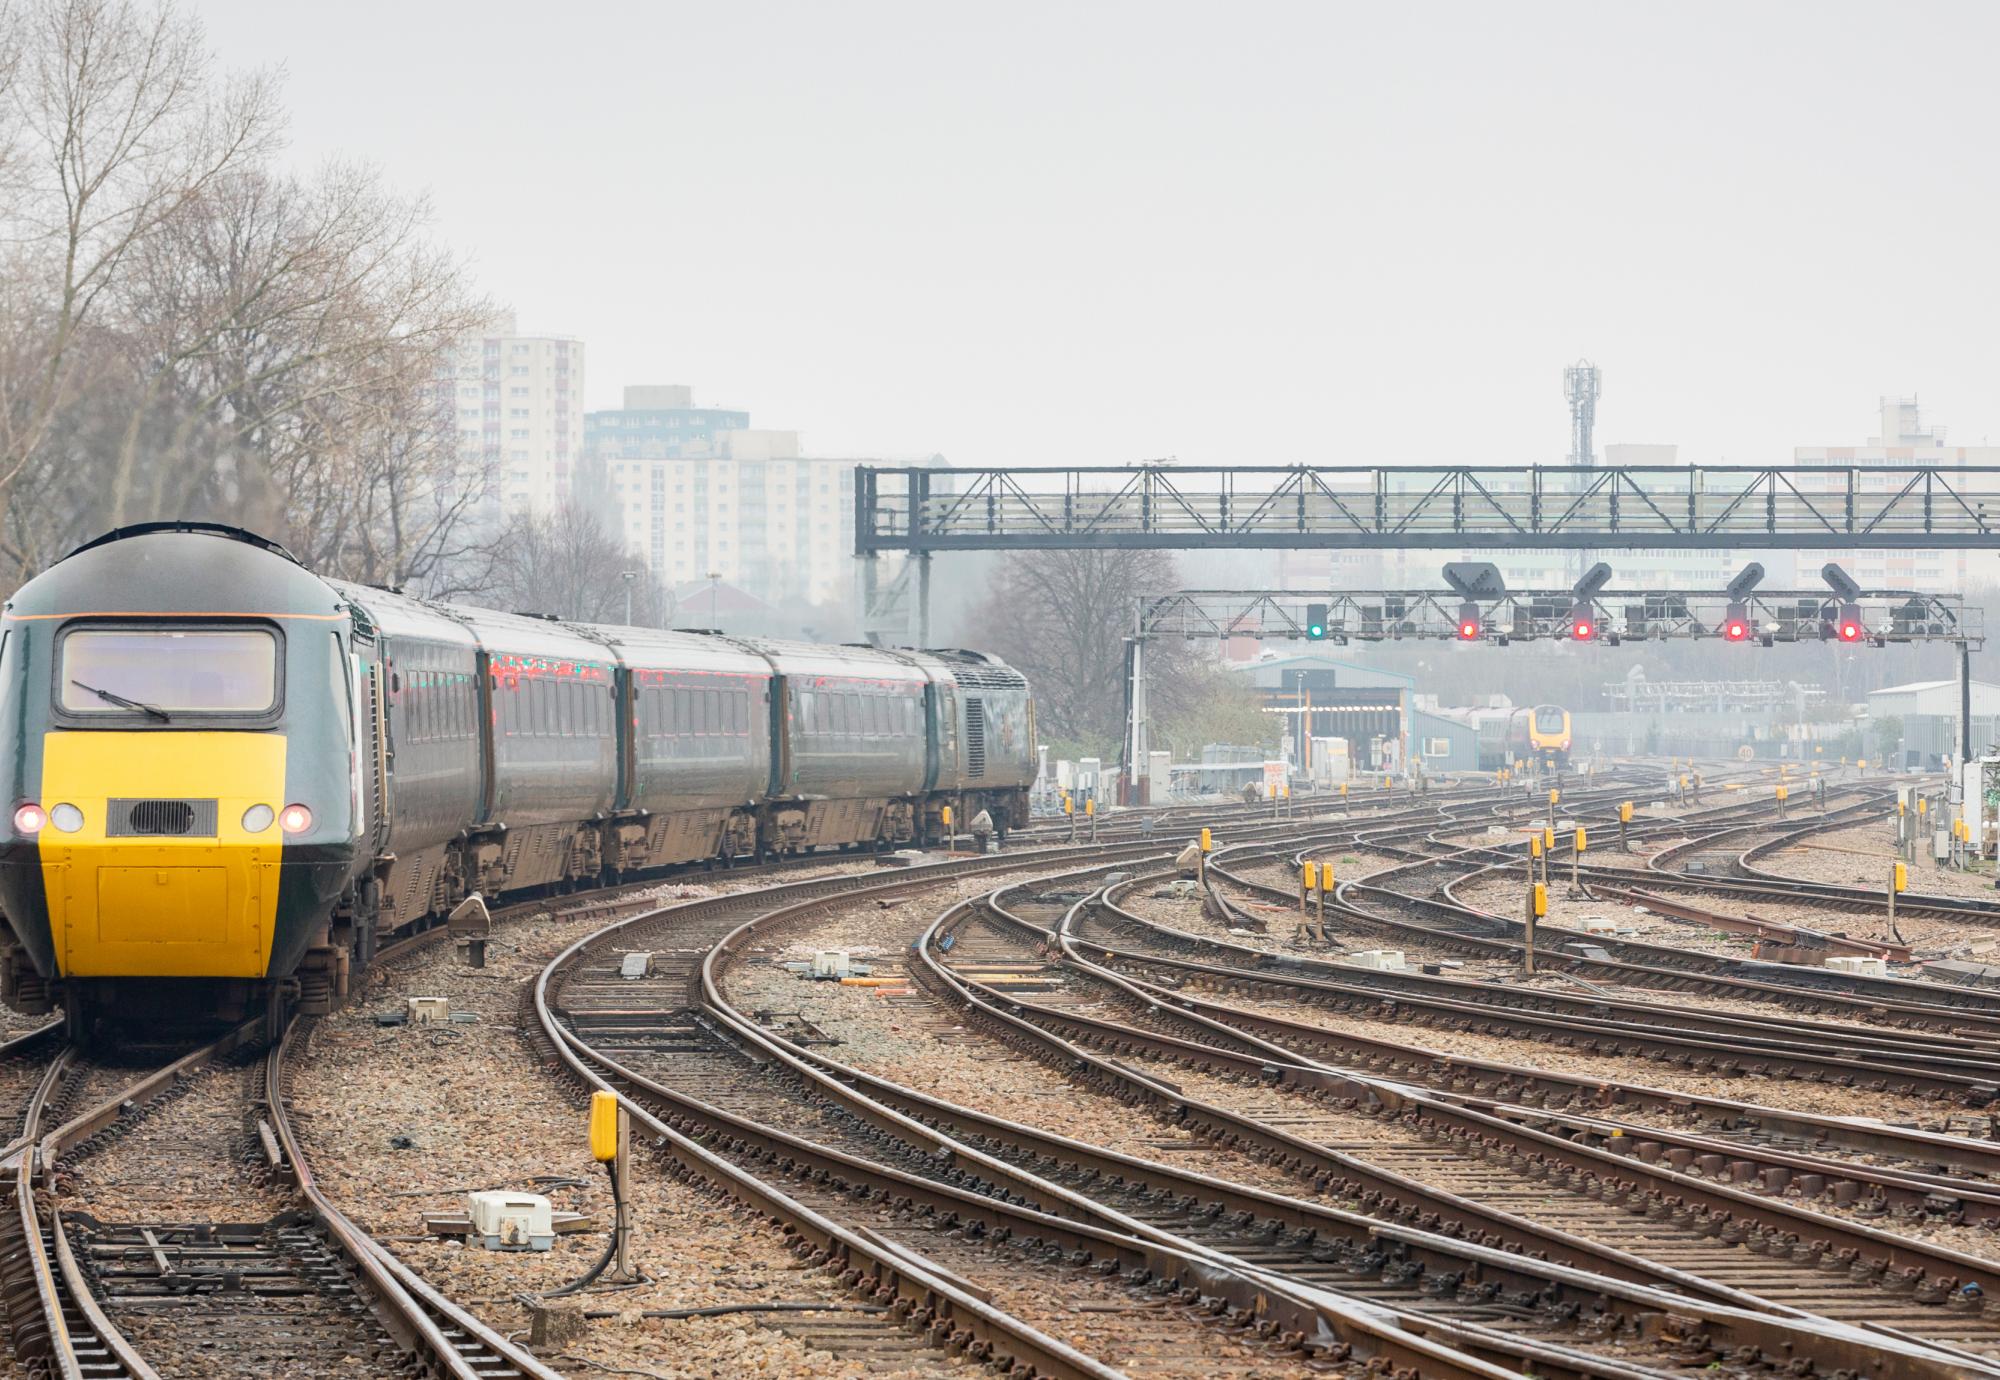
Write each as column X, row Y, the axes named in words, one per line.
column 230, row 778
column 1513, row 737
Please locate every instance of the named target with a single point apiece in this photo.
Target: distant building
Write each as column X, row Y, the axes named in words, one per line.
column 700, row 493
column 1316, row 695
column 517, row 401
column 659, row 421
column 1904, row 441
column 1927, row 712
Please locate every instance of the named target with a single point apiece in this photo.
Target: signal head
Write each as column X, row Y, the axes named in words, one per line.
column 1850, row 627
column 1468, row 622
column 1316, row 621
column 1736, row 623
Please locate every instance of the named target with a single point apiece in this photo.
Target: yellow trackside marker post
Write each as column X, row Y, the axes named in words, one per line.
column 951, row 835
column 604, row 1127
column 1624, row 820
column 1090, row 813
column 1538, row 906
column 1576, row 861
column 1899, row 878
column 1308, row 882
column 610, row 1133
column 1554, row 796
column 1325, row 885
column 1207, row 843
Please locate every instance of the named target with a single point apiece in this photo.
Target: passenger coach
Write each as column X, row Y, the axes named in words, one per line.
column 231, row 778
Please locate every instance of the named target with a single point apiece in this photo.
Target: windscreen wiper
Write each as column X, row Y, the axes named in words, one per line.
column 109, row 697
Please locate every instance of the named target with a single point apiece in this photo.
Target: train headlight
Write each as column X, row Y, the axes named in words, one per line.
column 258, row 818
column 29, row 819
column 67, row 818
column 295, row 819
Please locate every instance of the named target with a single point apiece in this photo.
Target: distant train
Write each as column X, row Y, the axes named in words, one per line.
column 1515, row 737
column 231, row 779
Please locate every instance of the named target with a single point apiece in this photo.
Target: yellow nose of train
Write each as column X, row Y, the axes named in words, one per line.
column 161, row 876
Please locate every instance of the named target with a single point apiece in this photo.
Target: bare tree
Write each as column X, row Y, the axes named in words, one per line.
column 565, row 564
column 119, row 121
column 307, row 322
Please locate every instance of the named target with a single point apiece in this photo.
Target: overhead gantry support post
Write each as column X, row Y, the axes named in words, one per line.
column 1138, row 737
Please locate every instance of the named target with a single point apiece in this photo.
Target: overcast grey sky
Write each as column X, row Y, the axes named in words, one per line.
column 1242, row 232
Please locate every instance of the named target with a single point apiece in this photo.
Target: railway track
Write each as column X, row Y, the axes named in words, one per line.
column 299, row 1291
column 1178, row 964
column 1714, row 1234
column 1163, row 1264
column 914, row 1105
column 1414, row 903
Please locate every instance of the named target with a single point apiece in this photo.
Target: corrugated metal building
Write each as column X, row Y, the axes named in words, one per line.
column 1339, row 699
column 1928, row 710
column 1442, row 744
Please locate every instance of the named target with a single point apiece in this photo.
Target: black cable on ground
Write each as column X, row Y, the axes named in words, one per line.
column 589, row 1277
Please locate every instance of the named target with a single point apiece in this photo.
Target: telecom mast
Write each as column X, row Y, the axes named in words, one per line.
column 1580, row 385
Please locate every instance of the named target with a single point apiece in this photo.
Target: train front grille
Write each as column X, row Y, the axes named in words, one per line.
column 160, row 818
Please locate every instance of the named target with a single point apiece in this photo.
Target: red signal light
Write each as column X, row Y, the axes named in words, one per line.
column 1468, row 630
column 1582, row 630
column 1735, row 630
column 1850, row 632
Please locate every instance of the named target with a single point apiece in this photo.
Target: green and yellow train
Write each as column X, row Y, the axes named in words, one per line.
column 229, row 779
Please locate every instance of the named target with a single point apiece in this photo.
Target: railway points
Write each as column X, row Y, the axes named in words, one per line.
column 1081, row 1101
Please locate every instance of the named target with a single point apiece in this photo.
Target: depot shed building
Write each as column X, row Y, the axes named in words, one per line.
column 1928, row 713
column 1366, row 705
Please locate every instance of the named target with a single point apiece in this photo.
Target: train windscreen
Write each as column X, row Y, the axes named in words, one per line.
column 159, row 671
column 1548, row 719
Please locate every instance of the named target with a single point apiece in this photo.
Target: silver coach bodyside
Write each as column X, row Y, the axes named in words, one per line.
column 554, row 720
column 698, row 755
column 431, row 710
column 852, row 753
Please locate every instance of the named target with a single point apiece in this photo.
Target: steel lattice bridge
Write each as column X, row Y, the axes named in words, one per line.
column 1877, row 617
column 1678, row 507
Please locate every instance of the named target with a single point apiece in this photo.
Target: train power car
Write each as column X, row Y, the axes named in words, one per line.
column 1514, row 737
column 230, row 779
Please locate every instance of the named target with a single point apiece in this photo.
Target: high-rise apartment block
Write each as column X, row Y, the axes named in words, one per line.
column 518, row 404
column 698, row 492
column 1905, row 442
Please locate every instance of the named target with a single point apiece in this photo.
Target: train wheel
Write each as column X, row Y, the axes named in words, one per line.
column 79, row 1019
column 277, row 1011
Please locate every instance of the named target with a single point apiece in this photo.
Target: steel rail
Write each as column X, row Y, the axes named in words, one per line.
column 1460, row 1256
column 443, row 1336
column 1848, row 1345
column 1537, row 1089
column 917, row 1292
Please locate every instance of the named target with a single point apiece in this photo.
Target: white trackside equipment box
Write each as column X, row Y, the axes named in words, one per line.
column 511, row 1221
column 1387, row 960
column 1859, row 966
column 831, row 963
